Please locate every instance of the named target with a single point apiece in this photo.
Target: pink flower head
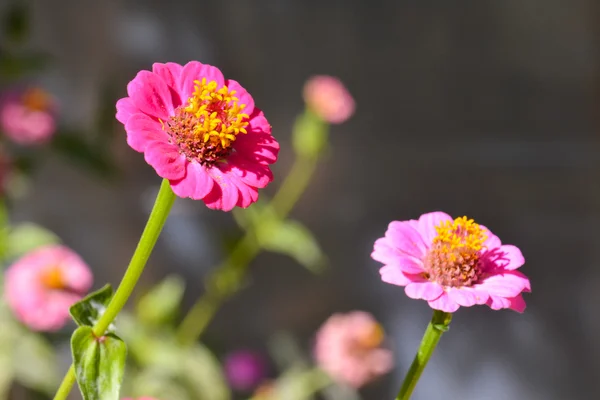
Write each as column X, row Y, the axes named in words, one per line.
column 28, row 117
column 451, row 263
column 348, row 348
column 327, row 97
column 245, row 369
column 41, row 286
column 200, row 131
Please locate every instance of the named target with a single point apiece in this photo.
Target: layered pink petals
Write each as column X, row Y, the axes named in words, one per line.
column 28, row 117
column 229, row 182
column 42, row 285
column 403, row 252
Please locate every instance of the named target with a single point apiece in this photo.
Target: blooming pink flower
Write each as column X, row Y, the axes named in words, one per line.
column 329, row 99
column 200, row 131
column 28, row 117
column 245, row 369
column 348, row 348
column 42, row 285
column 451, row 263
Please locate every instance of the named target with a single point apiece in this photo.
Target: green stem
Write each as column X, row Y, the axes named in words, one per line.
column 439, row 324
column 158, row 217
column 229, row 275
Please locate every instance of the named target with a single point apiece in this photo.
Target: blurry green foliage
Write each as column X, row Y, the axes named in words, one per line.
column 74, row 146
column 310, row 135
column 160, row 305
column 25, row 237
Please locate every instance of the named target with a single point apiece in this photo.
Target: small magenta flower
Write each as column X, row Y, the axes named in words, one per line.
column 245, row 369
column 451, row 263
column 42, row 285
column 200, row 131
column 327, row 97
column 28, row 117
column 348, row 348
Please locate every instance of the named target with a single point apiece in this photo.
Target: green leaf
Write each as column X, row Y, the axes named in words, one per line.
column 297, row 383
column 203, row 374
column 36, row 361
column 160, row 305
column 89, row 310
column 26, row 237
column 73, row 146
column 99, row 364
column 293, row 239
column 310, row 135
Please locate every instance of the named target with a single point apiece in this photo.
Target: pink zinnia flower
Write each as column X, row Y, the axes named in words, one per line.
column 348, row 348
column 245, row 369
column 451, row 263
column 200, row 131
column 41, row 286
column 327, row 97
column 28, row 117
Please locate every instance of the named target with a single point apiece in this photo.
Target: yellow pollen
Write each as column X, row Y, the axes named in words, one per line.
column 217, row 112
column 53, row 278
column 36, row 99
column 462, row 233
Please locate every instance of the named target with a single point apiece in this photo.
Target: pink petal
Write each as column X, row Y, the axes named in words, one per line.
column 151, row 95
column 143, row 130
column 247, row 195
column 242, row 94
column 406, row 239
column 257, row 145
column 195, row 71
column 224, row 194
column 423, row 290
column 492, row 241
column 384, row 252
column 166, row 160
column 125, row 109
column 467, row 297
column 196, row 183
column 428, row 222
column 249, row 171
column 444, row 303
column 513, row 255
column 394, row 275
column 517, row 304
column 508, row 284
column 258, row 123
column 498, row 303
column 170, row 73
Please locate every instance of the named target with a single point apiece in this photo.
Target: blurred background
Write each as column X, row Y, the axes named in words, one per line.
column 487, row 109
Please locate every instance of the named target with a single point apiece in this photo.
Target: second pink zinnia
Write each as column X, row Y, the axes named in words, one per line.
column 200, row 131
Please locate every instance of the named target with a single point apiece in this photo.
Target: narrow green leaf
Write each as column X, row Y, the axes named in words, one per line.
column 89, row 310
column 160, row 305
column 26, row 237
column 293, row 239
column 99, row 364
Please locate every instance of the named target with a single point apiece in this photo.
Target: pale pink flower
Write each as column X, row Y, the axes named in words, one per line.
column 245, row 369
column 451, row 263
column 41, row 286
column 327, row 97
column 348, row 348
column 200, row 131
column 28, row 117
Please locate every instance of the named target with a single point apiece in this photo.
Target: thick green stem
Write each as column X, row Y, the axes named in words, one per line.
column 158, row 217
column 438, row 325
column 229, row 275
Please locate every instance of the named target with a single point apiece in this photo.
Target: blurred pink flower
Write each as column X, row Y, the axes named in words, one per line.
column 327, row 97
column 451, row 263
column 245, row 369
column 42, row 285
column 28, row 117
column 200, row 131
column 348, row 348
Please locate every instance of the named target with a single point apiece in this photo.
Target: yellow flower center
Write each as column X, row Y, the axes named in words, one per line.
column 206, row 126
column 373, row 337
column 36, row 99
column 454, row 257
column 53, row 278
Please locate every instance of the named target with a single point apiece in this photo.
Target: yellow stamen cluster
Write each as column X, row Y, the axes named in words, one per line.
column 219, row 115
column 454, row 257
column 53, row 278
